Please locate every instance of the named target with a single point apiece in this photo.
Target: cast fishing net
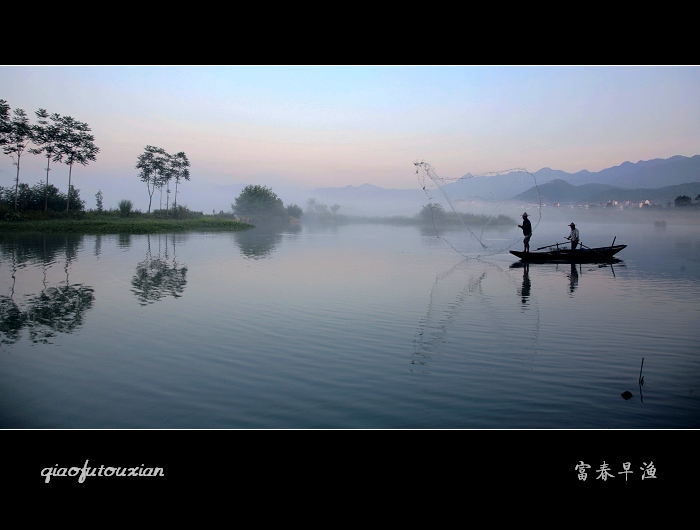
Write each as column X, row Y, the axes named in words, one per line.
column 478, row 215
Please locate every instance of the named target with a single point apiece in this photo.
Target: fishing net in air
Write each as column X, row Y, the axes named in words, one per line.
column 478, row 215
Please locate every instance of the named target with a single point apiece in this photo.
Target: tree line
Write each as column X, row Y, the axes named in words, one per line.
column 61, row 139
column 683, row 201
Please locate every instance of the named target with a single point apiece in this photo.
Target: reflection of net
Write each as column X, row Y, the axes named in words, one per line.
column 468, row 306
column 446, row 190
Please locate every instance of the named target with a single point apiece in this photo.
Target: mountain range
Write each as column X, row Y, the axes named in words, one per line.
column 562, row 192
column 658, row 180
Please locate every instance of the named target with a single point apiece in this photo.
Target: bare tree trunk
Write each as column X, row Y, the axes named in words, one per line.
column 70, row 170
column 46, row 202
column 17, row 184
column 150, row 195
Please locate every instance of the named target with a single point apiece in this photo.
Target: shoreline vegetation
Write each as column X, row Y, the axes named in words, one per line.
column 107, row 225
column 40, row 212
column 101, row 224
column 111, row 222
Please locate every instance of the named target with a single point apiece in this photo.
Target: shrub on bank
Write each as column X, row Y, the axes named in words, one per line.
column 39, row 198
column 125, row 206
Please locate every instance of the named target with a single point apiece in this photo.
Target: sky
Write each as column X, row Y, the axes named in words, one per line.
column 331, row 126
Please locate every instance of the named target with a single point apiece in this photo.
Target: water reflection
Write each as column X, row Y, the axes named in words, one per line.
column 525, row 289
column 573, row 279
column 572, row 273
column 469, row 310
column 12, row 320
column 261, row 242
column 124, row 241
column 43, row 249
column 443, row 308
column 56, row 309
column 157, row 278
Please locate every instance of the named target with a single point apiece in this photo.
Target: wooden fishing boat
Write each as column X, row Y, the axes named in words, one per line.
column 566, row 255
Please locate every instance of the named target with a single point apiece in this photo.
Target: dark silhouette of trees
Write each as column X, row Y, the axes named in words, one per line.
column 683, row 200
column 180, row 167
column 16, row 135
column 39, row 196
column 294, row 210
column 4, row 121
column 156, row 169
column 260, row 202
column 46, row 137
column 152, row 164
column 433, row 213
column 75, row 145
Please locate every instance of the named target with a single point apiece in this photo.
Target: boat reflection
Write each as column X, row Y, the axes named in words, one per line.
column 573, row 273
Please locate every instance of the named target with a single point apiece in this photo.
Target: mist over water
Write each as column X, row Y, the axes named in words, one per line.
column 351, row 326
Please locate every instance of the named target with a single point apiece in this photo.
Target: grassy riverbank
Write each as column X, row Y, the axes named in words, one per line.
column 113, row 225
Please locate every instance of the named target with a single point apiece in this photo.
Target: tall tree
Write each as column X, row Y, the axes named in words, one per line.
column 167, row 174
column 4, row 121
column 46, row 138
column 181, row 170
column 75, row 145
column 153, row 166
column 16, row 138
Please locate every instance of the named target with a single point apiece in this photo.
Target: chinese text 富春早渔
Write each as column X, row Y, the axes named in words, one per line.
column 604, row 472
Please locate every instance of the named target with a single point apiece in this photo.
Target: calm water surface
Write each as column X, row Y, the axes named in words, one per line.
column 360, row 326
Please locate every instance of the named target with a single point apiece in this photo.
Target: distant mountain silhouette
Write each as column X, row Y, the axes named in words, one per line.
column 583, row 185
column 559, row 191
column 655, row 173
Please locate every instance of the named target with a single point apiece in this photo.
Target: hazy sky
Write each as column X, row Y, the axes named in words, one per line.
column 333, row 126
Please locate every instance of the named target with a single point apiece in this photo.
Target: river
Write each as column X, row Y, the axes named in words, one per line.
column 353, row 326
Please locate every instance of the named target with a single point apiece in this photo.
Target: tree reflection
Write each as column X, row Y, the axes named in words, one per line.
column 58, row 309
column 44, row 249
column 261, row 242
column 156, row 278
column 12, row 320
column 55, row 309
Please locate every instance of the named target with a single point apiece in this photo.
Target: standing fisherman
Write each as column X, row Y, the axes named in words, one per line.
column 573, row 236
column 527, row 232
